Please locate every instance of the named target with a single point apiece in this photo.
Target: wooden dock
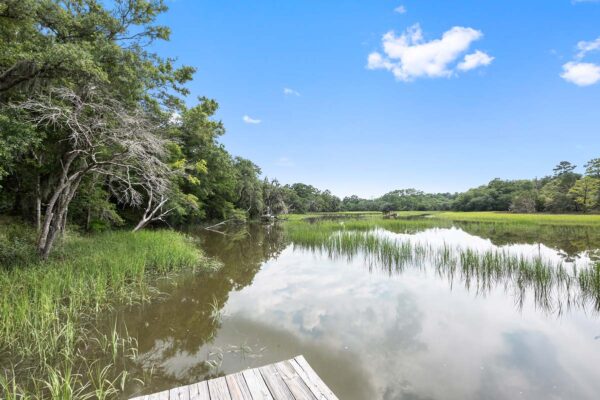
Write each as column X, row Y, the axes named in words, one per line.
column 286, row 380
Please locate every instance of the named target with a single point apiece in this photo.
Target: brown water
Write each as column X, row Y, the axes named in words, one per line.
column 368, row 333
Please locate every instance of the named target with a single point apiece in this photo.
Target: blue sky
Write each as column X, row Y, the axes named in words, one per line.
column 418, row 114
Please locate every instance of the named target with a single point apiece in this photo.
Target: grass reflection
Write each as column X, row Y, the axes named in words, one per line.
column 556, row 286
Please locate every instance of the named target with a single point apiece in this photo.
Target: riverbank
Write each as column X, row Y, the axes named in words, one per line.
column 49, row 346
column 515, row 218
column 479, row 216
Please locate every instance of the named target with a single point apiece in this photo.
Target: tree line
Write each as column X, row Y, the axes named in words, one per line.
column 563, row 191
column 95, row 132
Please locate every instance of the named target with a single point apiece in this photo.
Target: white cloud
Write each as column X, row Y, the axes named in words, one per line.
column 400, row 10
column 409, row 56
column 175, row 118
column 250, row 120
column 284, row 162
column 583, row 73
column 586, row 47
column 580, row 73
column 475, row 60
column 290, row 92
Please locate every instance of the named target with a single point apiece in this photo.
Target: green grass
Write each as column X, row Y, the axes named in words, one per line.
column 324, row 227
column 350, row 214
column 504, row 217
column 479, row 216
column 49, row 347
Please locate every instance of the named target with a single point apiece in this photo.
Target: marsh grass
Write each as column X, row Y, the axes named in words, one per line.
column 555, row 286
column 49, row 347
column 520, row 219
column 570, row 237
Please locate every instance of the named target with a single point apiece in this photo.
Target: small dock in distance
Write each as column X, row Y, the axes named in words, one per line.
column 286, row 380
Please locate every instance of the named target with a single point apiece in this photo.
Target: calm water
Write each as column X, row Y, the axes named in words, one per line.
column 369, row 333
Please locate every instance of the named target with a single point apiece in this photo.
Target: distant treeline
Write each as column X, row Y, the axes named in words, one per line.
column 563, row 191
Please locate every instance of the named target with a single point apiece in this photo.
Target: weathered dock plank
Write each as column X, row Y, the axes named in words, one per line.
column 275, row 383
column 294, row 381
column 218, row 389
column 199, row 391
column 312, row 379
column 256, row 384
column 286, row 380
column 238, row 389
column 180, row 393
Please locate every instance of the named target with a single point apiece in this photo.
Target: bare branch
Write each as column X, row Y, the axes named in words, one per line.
column 103, row 136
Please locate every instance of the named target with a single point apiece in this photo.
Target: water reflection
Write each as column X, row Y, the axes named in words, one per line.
column 370, row 335
column 459, row 239
column 569, row 241
column 176, row 335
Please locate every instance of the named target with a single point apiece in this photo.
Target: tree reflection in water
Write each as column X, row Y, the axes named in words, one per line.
column 180, row 328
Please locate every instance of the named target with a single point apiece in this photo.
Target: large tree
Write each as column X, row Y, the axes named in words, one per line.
column 96, row 134
column 592, row 168
column 78, row 88
column 585, row 192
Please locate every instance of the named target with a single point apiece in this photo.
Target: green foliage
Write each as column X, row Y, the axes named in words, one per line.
column 592, row 168
column 302, row 198
column 564, row 191
column 401, row 200
column 586, row 193
column 563, row 168
column 274, row 197
column 249, row 189
column 14, row 138
column 17, row 247
column 49, row 42
column 524, row 202
column 495, row 196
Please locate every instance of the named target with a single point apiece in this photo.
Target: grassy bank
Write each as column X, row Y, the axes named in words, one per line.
column 458, row 216
column 349, row 214
column 541, row 219
column 49, row 347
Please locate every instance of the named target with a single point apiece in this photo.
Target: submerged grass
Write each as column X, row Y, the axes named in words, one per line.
column 554, row 285
column 49, row 347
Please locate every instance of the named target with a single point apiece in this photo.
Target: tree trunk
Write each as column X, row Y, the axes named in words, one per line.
column 57, row 219
column 50, row 214
column 38, row 204
column 151, row 212
column 142, row 224
column 49, row 242
column 55, row 216
column 63, row 223
column 88, row 219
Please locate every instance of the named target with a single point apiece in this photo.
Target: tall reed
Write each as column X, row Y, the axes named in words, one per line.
column 49, row 346
column 554, row 285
